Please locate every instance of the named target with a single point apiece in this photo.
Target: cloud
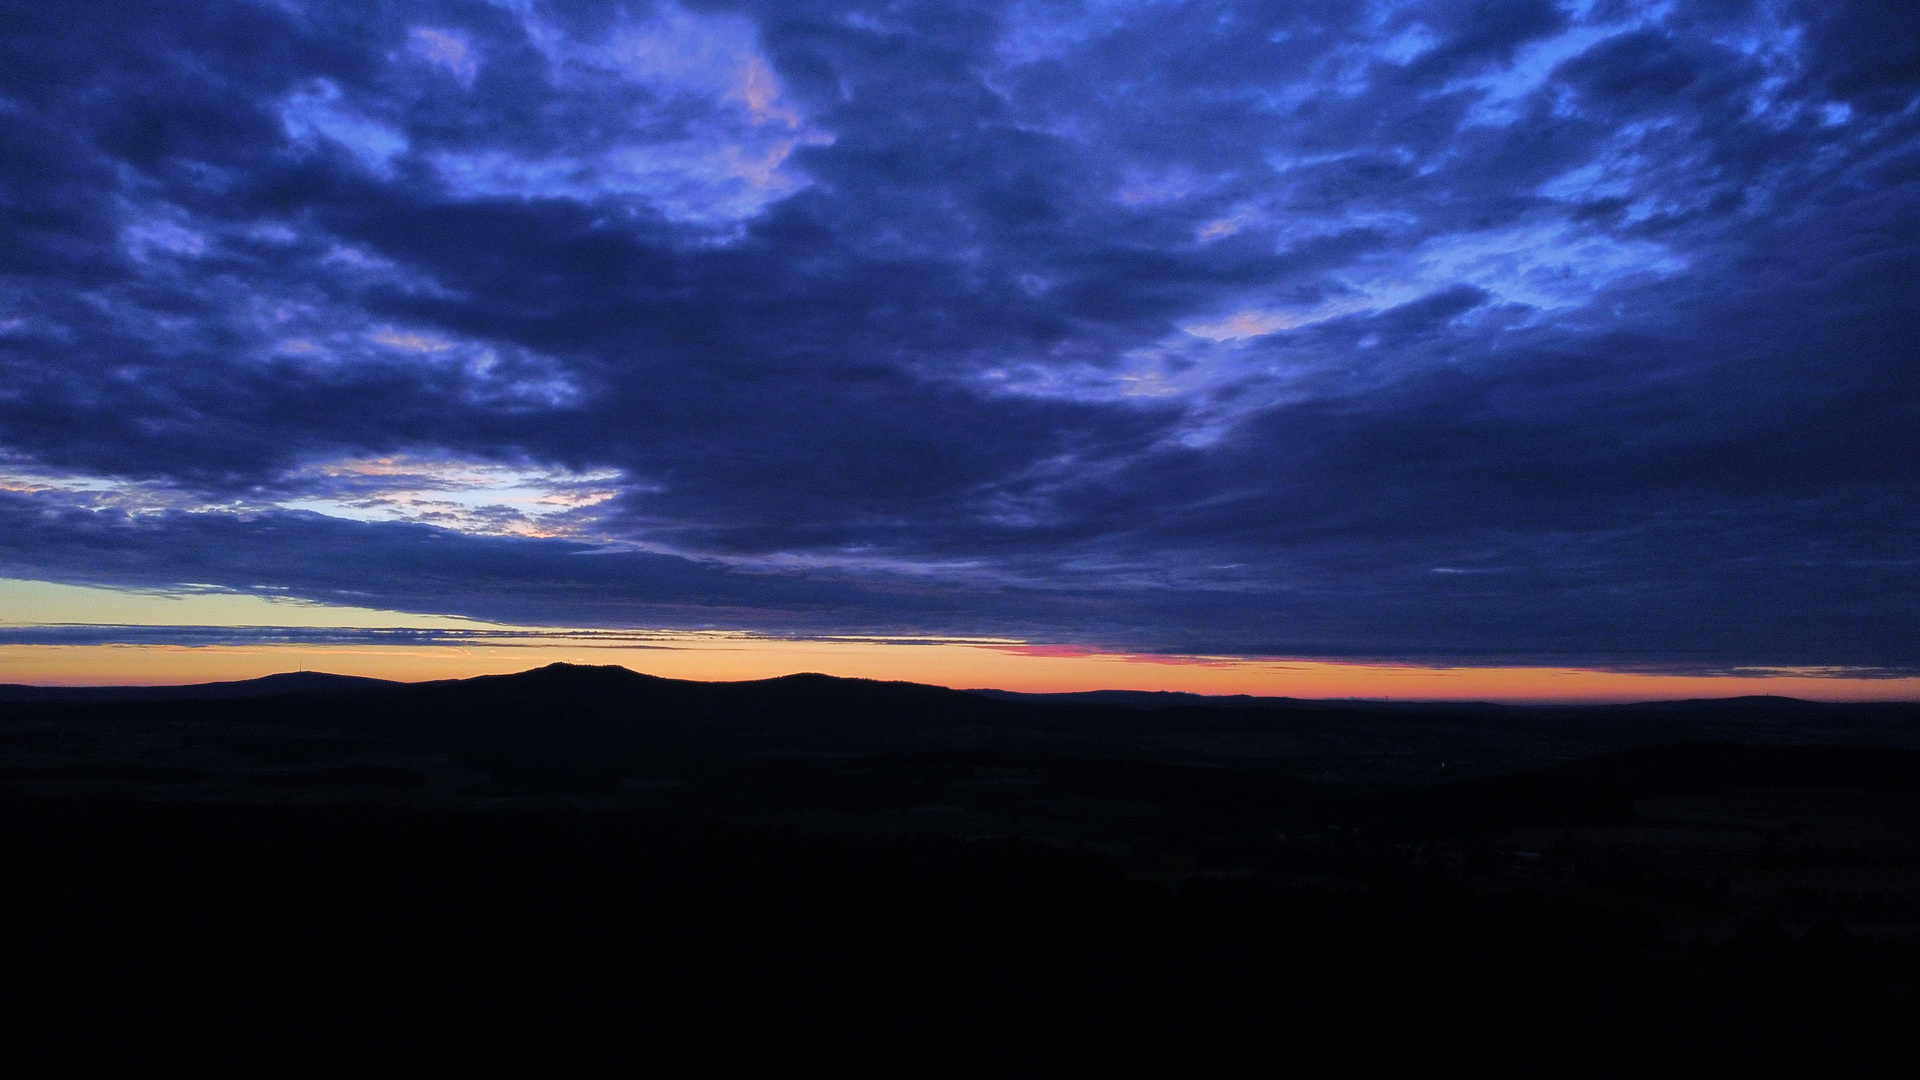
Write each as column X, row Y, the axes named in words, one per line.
column 447, row 48
column 680, row 111
column 315, row 114
column 1212, row 329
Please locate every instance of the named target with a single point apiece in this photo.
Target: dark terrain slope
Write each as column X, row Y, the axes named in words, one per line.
column 324, row 940
column 568, row 867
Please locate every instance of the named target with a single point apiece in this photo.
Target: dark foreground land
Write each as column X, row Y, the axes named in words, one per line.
column 572, row 868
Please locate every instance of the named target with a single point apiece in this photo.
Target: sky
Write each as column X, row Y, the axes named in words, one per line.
column 1500, row 348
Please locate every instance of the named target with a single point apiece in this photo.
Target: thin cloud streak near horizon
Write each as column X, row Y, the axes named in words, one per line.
column 209, row 635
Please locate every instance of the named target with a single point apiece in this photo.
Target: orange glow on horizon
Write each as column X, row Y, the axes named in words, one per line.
column 1009, row 666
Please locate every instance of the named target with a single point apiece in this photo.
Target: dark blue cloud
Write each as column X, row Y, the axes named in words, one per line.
column 1580, row 331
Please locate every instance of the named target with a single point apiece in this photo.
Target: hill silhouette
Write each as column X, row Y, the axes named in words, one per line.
column 781, row 745
column 658, row 871
column 290, row 682
column 607, row 722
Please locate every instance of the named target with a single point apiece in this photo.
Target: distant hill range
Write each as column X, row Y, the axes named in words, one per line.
column 616, row 721
column 610, row 819
column 597, row 680
column 291, row 682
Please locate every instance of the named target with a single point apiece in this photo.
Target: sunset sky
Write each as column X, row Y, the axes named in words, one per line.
column 1452, row 348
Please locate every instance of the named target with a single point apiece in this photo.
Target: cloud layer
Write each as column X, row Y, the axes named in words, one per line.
column 1582, row 332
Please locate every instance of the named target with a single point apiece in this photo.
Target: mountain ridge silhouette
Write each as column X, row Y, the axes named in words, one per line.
column 562, row 675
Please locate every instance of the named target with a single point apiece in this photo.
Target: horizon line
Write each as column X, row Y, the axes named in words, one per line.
column 1352, row 699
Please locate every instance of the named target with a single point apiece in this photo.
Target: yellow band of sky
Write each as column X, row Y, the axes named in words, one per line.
column 975, row 664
